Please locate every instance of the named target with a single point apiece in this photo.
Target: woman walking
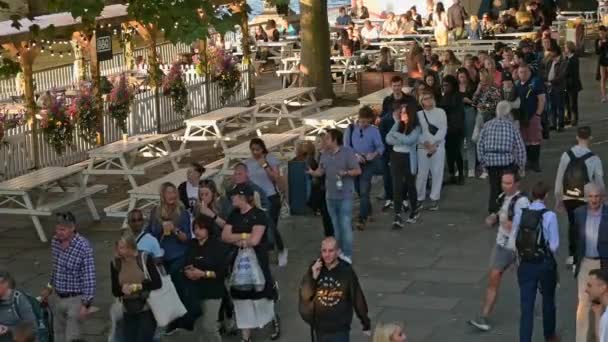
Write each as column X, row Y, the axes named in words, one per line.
column 440, row 22
column 245, row 228
column 601, row 49
column 206, row 266
column 452, row 104
column 132, row 285
column 431, row 149
column 466, row 87
column 403, row 136
column 264, row 172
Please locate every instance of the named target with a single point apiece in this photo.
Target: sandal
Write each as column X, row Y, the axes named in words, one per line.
column 276, row 328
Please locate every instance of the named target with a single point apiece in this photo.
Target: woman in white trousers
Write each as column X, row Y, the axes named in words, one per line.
column 431, row 149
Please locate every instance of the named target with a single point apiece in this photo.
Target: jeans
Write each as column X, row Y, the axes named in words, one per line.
column 556, row 114
column 341, row 211
column 453, row 147
column 570, row 206
column 532, row 277
column 403, row 181
column 470, row 113
column 139, row 327
column 572, row 106
column 275, row 212
column 495, row 178
column 386, row 176
column 332, row 337
column 363, row 186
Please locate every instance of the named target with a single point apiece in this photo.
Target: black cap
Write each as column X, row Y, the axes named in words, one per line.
column 506, row 76
column 241, row 189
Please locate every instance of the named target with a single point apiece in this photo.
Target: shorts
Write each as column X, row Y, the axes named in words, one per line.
column 501, row 258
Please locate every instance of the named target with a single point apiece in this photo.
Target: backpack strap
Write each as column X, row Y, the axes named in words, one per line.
column 15, row 303
column 142, row 261
column 141, row 236
column 583, row 157
column 511, row 209
column 351, row 128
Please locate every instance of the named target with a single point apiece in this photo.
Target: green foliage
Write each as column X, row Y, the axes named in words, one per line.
column 181, row 20
column 9, row 68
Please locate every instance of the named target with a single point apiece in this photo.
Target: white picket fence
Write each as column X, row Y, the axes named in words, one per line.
column 16, row 154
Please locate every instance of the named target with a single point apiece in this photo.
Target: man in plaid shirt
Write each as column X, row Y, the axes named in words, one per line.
column 500, row 147
column 72, row 279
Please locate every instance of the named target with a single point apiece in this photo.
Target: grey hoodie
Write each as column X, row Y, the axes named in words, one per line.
column 14, row 310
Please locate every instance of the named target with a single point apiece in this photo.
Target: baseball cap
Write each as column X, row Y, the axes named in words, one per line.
column 241, row 189
column 507, row 76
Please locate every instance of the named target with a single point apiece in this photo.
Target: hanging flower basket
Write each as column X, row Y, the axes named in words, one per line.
column 84, row 111
column 228, row 77
column 175, row 87
column 57, row 125
column 119, row 103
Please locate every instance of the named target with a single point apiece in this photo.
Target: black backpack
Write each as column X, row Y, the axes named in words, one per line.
column 576, row 175
column 511, row 209
column 530, row 241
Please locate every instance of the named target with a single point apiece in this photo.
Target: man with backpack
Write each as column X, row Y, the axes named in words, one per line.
column 365, row 140
column 16, row 308
column 577, row 167
column 510, row 202
column 535, row 236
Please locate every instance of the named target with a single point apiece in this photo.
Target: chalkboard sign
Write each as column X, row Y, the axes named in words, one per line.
column 104, row 45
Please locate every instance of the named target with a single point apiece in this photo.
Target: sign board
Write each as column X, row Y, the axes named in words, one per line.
column 104, row 45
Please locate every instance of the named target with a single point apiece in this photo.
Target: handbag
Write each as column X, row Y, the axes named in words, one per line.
column 247, row 274
column 164, row 302
column 432, row 128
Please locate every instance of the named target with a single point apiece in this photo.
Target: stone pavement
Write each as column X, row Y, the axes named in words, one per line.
column 430, row 275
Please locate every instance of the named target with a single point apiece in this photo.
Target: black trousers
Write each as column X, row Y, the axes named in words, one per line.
column 570, row 206
column 275, row 211
column 139, row 327
column 495, row 179
column 572, row 106
column 453, row 149
column 403, row 179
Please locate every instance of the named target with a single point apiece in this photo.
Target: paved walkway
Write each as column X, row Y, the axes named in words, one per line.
column 430, row 275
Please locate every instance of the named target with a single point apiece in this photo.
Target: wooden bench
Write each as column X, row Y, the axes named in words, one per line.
column 310, row 108
column 118, row 209
column 161, row 160
column 234, row 135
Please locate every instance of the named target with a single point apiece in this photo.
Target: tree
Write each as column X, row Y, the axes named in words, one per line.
column 314, row 30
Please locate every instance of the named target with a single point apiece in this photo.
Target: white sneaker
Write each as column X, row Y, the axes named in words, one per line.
column 484, row 175
column 471, row 174
column 283, row 258
column 570, row 261
column 604, row 99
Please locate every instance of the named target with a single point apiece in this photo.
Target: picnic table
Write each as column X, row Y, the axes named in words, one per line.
column 375, row 99
column 147, row 195
column 278, row 143
column 212, row 126
column 419, row 37
column 331, row 118
column 275, row 104
column 42, row 192
column 119, row 158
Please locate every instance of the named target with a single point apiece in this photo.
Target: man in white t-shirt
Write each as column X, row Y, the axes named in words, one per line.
column 511, row 202
column 597, row 290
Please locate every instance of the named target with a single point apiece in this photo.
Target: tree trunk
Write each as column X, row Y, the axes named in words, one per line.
column 314, row 67
column 30, row 103
column 96, row 87
column 202, row 43
column 154, row 75
column 79, row 69
column 128, row 48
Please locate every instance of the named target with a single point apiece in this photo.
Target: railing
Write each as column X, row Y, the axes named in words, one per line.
column 16, row 154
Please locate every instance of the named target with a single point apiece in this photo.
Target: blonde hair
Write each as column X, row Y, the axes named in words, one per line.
column 128, row 239
column 384, row 332
column 164, row 212
column 486, row 77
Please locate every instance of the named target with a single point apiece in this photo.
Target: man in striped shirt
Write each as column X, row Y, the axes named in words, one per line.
column 72, row 279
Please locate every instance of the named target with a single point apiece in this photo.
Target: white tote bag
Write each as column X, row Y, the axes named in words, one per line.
column 164, row 302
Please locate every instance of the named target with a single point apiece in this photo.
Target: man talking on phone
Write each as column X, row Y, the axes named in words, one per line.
column 329, row 293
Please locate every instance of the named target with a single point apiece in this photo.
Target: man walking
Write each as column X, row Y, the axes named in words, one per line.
column 591, row 248
column 536, row 238
column 456, row 18
column 531, row 92
column 386, row 123
column 72, row 279
column 340, row 166
column 555, row 81
column 577, row 167
column 510, row 203
column 597, row 290
column 500, row 148
column 329, row 293
column 364, row 138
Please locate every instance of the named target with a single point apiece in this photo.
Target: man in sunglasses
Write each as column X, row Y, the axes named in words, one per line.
column 145, row 241
column 72, row 279
column 365, row 140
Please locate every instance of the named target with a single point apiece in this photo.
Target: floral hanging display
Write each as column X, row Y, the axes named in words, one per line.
column 57, row 125
column 175, row 87
column 222, row 68
column 9, row 119
column 84, row 111
column 119, row 103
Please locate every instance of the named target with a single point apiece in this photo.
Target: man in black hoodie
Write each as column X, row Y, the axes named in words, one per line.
column 329, row 292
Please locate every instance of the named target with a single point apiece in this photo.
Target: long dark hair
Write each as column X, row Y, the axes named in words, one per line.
column 260, row 143
column 453, row 82
column 412, row 121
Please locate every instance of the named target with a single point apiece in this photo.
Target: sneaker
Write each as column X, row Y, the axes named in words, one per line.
column 570, row 261
column 483, row 175
column 480, row 323
column 604, row 99
column 434, row 206
column 413, row 217
column 405, row 205
column 276, row 328
column 419, row 206
column 388, row 204
column 398, row 222
column 283, row 257
column 471, row 174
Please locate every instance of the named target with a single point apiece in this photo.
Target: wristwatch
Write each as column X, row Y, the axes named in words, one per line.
column 265, row 165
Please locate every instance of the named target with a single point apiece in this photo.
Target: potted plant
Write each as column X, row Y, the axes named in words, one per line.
column 175, row 87
column 119, row 104
column 84, row 112
column 57, row 125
